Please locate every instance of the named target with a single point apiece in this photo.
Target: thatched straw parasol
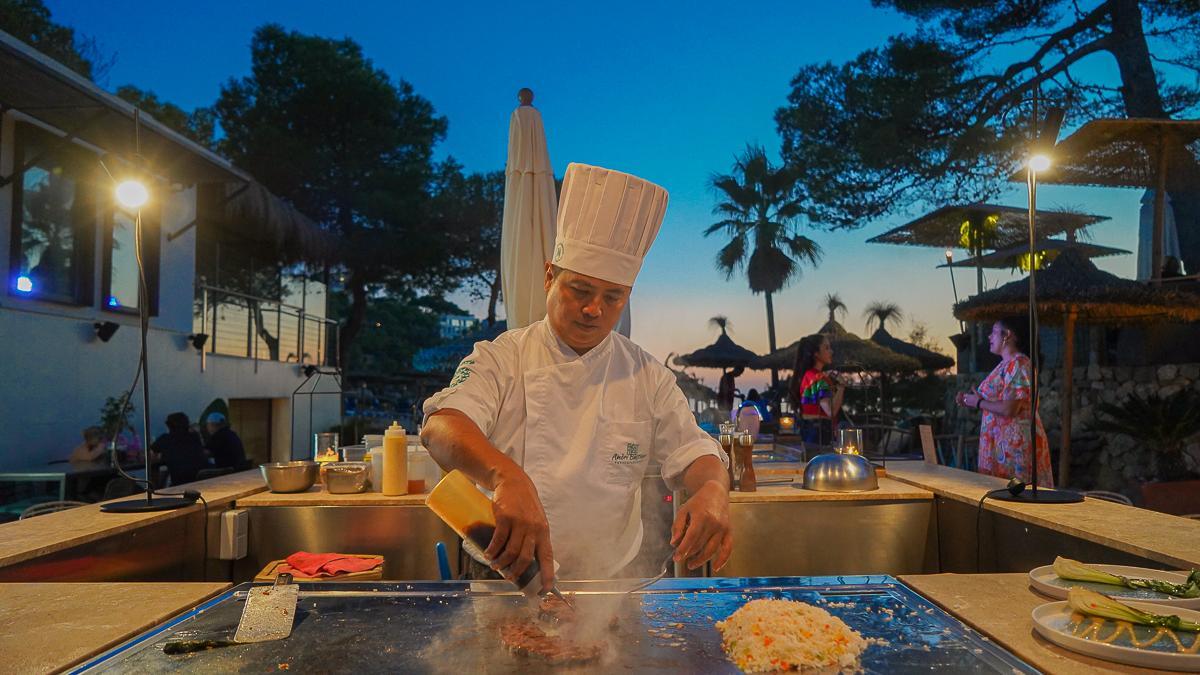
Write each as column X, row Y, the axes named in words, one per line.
column 1014, row 257
column 929, row 360
column 1072, row 289
column 724, row 353
column 850, row 352
column 1140, row 153
column 976, row 227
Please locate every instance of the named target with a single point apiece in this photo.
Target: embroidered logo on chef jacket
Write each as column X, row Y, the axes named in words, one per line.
column 463, row 372
column 632, row 455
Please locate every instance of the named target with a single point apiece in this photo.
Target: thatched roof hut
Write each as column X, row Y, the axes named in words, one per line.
column 1072, row 289
column 929, row 360
column 850, row 352
column 1073, row 284
column 724, row 353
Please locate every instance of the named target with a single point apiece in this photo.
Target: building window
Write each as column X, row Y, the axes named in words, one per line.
column 120, row 287
column 53, row 220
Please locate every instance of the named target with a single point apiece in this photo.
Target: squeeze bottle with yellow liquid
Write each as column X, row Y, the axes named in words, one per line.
column 395, row 461
column 469, row 513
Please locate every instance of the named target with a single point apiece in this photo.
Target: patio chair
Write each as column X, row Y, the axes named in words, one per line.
column 882, row 438
column 949, row 449
column 49, row 507
column 1108, row 496
column 118, row 487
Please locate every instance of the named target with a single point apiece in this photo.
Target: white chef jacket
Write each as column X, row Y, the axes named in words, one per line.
column 584, row 428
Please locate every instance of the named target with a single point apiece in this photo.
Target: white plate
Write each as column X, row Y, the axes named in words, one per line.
column 1052, row 619
column 1045, row 581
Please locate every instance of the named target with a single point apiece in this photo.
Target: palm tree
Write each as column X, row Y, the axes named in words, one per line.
column 880, row 313
column 760, row 208
column 833, row 303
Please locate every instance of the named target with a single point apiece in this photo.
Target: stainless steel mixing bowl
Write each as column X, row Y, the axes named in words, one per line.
column 296, row 476
column 832, row 472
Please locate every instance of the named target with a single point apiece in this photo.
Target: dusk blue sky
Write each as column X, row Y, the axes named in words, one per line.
column 667, row 94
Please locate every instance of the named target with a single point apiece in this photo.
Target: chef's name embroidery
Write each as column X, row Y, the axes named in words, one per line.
column 463, row 372
column 632, row 455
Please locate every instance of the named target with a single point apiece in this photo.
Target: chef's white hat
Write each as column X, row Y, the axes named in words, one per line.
column 606, row 222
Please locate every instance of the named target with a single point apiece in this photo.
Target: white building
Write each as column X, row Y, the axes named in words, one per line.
column 66, row 259
column 451, row 326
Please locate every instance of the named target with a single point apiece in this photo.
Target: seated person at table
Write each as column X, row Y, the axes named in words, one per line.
column 816, row 393
column 224, row 446
column 180, row 449
column 92, row 447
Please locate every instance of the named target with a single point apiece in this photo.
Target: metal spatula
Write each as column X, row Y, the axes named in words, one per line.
column 269, row 611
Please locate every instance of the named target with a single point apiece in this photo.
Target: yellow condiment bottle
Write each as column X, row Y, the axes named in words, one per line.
column 469, row 513
column 395, row 460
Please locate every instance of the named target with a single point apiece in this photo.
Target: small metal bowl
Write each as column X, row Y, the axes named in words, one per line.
column 346, row 478
column 296, row 476
column 832, row 472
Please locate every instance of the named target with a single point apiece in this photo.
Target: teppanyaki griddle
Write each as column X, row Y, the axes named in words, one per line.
column 451, row 627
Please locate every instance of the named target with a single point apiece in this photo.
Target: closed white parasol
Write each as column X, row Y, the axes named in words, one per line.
column 530, row 208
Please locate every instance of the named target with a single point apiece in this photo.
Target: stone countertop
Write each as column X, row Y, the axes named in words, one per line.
column 1170, row 540
column 999, row 606
column 889, row 490
column 52, row 626
column 25, row 539
column 318, row 496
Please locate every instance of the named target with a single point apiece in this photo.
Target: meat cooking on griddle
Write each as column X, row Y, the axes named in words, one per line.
column 554, row 636
column 527, row 637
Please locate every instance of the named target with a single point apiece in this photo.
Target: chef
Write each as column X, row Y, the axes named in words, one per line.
column 561, row 418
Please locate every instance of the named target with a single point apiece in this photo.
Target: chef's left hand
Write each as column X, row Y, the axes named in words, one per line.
column 701, row 529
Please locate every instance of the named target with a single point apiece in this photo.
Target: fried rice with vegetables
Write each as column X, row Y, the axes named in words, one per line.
column 770, row 635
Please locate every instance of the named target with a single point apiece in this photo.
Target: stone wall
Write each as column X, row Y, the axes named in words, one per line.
column 1098, row 462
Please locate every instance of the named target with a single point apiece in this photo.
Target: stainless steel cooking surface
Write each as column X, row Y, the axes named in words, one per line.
column 451, row 627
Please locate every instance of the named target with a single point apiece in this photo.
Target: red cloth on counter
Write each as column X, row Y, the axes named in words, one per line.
column 326, row 564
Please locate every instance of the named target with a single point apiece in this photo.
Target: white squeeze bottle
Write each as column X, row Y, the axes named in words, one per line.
column 395, row 460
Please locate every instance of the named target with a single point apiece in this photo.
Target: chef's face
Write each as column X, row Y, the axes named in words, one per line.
column 582, row 310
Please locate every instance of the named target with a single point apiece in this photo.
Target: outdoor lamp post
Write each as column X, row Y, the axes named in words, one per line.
column 1039, row 159
column 954, row 286
column 133, row 194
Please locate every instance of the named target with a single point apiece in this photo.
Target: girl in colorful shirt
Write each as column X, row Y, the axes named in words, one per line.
column 1003, row 398
column 818, row 395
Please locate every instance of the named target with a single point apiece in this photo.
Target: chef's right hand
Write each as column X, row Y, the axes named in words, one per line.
column 522, row 531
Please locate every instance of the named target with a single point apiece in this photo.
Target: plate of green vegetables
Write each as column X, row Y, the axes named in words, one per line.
column 1137, row 633
column 1175, row 589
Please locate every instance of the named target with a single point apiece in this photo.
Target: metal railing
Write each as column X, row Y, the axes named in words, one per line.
column 262, row 329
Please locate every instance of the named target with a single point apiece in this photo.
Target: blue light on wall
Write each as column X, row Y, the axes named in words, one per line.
column 112, row 301
column 24, row 284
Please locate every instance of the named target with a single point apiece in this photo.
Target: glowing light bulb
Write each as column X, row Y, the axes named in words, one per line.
column 1039, row 162
column 949, row 255
column 24, row 284
column 132, row 194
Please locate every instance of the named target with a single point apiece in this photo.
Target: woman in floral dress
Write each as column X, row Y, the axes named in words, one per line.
column 1003, row 398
